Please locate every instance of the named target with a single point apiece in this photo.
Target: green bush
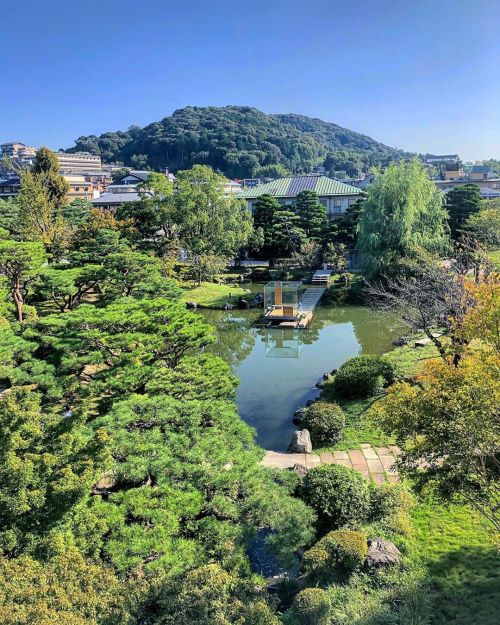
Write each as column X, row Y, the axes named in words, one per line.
column 344, row 549
column 325, row 422
column 339, row 495
column 361, row 376
column 392, row 504
column 312, row 607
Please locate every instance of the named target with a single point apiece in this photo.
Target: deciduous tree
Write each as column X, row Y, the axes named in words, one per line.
column 402, row 218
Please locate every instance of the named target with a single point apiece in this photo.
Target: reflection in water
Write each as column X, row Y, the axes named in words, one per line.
column 283, row 342
column 278, row 370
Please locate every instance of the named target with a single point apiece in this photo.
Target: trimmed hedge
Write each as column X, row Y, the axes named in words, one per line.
column 362, row 376
column 325, row 422
column 344, row 549
column 339, row 495
column 312, row 607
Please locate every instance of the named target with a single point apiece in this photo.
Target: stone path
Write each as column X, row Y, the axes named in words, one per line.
column 374, row 463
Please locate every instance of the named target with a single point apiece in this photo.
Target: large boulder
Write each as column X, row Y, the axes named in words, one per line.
column 301, row 442
column 191, row 305
column 382, row 553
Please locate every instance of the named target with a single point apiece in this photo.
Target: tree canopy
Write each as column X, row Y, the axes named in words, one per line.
column 401, row 219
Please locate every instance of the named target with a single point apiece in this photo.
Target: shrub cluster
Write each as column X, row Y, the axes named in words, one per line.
column 341, row 549
column 325, row 422
column 361, row 376
column 311, row 605
column 339, row 495
column 392, row 504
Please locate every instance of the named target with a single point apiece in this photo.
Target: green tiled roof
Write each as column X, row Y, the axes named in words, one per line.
column 291, row 186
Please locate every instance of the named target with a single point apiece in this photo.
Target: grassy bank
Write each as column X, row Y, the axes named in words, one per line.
column 462, row 562
column 360, row 428
column 211, row 295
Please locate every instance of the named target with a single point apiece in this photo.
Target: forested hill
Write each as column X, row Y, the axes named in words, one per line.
column 239, row 141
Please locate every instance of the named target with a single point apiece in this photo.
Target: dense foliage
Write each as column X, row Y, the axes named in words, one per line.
column 239, row 141
column 325, row 422
column 402, row 219
column 339, row 495
column 361, row 376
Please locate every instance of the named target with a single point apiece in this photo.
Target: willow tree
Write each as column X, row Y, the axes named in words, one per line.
column 402, row 219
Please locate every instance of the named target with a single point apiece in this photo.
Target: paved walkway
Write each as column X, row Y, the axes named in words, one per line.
column 374, row 463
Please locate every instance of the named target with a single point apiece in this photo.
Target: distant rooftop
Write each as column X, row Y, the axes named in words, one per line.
column 293, row 185
column 480, row 169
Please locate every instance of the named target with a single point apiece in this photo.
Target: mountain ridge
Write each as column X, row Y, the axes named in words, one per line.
column 240, row 141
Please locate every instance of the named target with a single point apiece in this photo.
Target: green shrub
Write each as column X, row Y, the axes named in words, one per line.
column 361, row 376
column 325, row 422
column 312, row 607
column 340, row 549
column 339, row 495
column 392, row 504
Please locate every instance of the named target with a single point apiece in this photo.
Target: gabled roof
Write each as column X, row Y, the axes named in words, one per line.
column 293, row 185
column 479, row 169
column 116, row 198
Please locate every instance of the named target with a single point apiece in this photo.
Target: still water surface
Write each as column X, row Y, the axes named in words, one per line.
column 278, row 369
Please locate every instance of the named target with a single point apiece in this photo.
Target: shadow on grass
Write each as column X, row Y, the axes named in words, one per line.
column 465, row 585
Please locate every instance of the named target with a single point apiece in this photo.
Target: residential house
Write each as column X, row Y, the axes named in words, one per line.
column 453, row 171
column 441, row 159
column 9, row 186
column 122, row 191
column 335, row 196
column 480, row 172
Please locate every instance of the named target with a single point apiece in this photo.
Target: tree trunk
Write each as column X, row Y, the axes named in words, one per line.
column 18, row 298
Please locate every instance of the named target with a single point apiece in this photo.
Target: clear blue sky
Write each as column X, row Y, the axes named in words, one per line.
column 423, row 76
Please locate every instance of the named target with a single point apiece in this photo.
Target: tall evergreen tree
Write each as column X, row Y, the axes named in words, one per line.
column 46, row 169
column 288, row 236
column 263, row 219
column 461, row 203
column 312, row 214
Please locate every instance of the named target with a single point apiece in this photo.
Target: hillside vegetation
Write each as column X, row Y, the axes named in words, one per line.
column 240, row 141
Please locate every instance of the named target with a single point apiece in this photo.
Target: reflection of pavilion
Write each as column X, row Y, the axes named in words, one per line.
column 283, row 343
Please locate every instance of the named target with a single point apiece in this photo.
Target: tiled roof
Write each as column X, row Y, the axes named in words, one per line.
column 480, row 169
column 116, row 198
column 292, row 186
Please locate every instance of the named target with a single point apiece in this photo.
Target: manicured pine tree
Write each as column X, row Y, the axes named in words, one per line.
column 312, row 214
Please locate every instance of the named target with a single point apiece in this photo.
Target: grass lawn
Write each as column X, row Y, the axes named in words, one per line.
column 211, row 295
column 463, row 564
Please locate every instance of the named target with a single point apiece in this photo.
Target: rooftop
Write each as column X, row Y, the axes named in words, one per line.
column 293, row 185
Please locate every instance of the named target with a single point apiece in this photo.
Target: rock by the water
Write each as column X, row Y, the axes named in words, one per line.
column 301, row 442
column 298, row 416
column 326, row 376
column 382, row 553
column 300, row 469
column 191, row 305
column 320, row 384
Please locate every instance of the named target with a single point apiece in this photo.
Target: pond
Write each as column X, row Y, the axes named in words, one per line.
column 278, row 369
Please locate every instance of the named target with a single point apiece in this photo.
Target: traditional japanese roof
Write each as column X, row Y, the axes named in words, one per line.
column 480, row 169
column 293, row 185
column 116, row 198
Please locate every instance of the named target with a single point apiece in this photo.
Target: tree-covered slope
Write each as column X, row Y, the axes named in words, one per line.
column 238, row 141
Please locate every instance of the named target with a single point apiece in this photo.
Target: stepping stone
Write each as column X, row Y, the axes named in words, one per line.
column 341, row 455
column 345, row 463
column 393, row 478
column 383, row 451
column 312, row 460
column 281, row 460
column 378, row 478
column 395, row 449
column 375, row 466
column 327, row 458
column 370, row 453
column 364, row 445
column 387, row 461
column 357, row 459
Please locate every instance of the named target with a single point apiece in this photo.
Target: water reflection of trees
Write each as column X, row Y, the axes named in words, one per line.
column 235, row 337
